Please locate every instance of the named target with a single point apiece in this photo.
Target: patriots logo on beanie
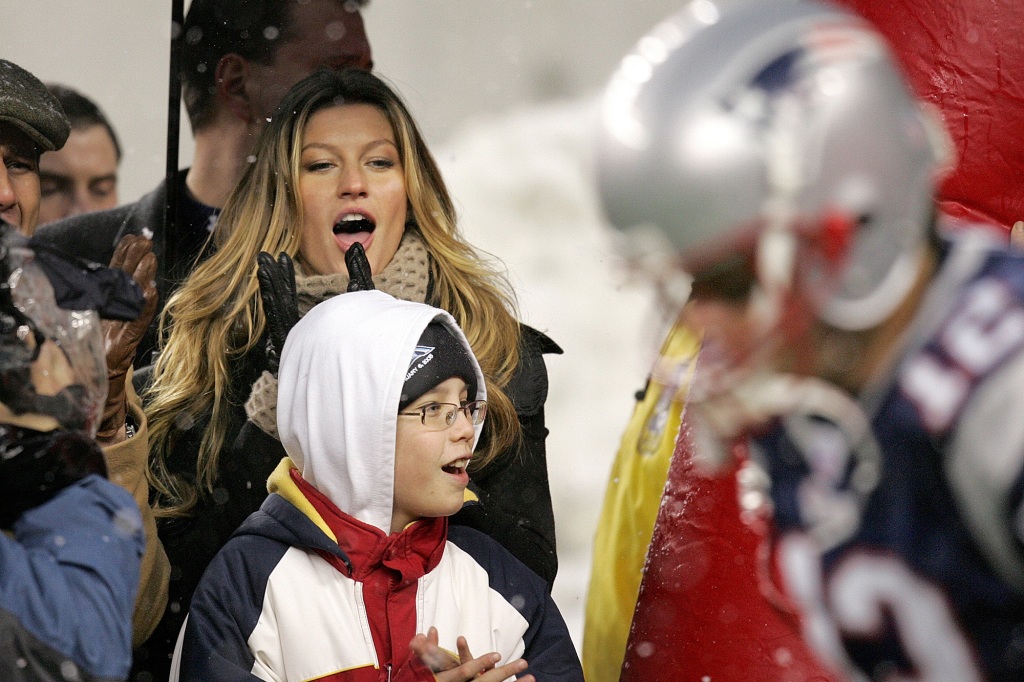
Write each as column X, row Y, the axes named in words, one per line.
column 438, row 356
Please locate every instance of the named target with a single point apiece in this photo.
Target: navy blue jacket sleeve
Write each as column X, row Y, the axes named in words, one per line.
column 68, row 580
column 225, row 609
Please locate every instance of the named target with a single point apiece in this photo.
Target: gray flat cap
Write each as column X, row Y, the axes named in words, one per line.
column 26, row 103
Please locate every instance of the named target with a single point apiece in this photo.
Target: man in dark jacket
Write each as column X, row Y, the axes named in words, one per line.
column 239, row 57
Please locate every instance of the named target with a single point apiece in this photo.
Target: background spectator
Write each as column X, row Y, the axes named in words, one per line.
column 70, row 541
column 81, row 176
column 238, row 57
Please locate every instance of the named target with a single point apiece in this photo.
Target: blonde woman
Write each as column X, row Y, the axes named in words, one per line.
column 341, row 162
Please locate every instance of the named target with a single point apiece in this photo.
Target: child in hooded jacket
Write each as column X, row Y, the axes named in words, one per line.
column 350, row 571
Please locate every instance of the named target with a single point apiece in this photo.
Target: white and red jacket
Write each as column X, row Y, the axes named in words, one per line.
column 312, row 586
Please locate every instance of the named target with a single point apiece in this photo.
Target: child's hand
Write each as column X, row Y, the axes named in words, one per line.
column 433, row 656
column 447, row 668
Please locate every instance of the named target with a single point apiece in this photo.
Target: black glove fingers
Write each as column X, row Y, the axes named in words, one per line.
column 360, row 278
column 266, row 277
column 276, row 280
column 288, row 291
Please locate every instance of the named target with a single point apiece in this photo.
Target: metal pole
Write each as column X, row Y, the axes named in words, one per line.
column 173, row 125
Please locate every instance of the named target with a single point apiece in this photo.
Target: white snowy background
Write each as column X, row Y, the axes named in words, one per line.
column 506, row 94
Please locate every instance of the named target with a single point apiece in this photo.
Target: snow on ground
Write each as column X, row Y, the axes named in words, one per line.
column 522, row 184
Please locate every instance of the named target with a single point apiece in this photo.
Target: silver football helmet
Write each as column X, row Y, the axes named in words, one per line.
column 768, row 122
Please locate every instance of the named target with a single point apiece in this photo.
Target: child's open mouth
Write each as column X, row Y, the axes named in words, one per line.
column 456, row 467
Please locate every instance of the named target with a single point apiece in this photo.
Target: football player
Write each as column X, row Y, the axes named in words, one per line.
column 777, row 150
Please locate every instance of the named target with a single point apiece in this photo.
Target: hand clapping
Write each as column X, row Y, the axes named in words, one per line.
column 447, row 669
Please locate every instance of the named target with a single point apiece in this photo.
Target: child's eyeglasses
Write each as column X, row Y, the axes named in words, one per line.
column 439, row 416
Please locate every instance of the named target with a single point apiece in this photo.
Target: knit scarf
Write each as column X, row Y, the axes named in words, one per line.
column 405, row 277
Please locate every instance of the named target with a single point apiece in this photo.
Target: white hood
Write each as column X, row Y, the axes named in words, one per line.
column 339, row 384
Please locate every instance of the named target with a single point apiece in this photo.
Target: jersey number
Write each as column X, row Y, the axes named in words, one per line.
column 988, row 327
column 864, row 594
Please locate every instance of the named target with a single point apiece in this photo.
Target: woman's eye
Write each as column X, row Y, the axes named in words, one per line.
column 432, row 409
column 382, row 163
column 318, row 166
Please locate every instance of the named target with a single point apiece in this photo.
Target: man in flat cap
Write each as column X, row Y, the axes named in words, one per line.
column 32, row 123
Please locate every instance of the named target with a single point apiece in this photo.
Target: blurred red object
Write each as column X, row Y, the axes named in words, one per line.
column 709, row 609
column 967, row 58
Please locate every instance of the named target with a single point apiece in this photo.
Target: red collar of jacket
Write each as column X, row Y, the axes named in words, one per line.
column 412, row 553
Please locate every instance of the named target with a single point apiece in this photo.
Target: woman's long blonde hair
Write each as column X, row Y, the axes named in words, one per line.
column 216, row 317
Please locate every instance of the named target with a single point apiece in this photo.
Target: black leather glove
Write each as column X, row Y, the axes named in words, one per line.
column 36, row 465
column 280, row 303
column 359, row 276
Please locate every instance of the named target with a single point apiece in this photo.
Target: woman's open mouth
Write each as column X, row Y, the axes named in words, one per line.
column 352, row 228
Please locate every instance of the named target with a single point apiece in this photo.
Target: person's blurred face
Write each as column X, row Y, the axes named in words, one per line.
column 719, row 306
column 730, row 336
column 19, row 179
column 430, row 466
column 323, row 33
column 79, row 178
column 352, row 187
column 737, row 336
column 49, row 374
column 746, row 326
